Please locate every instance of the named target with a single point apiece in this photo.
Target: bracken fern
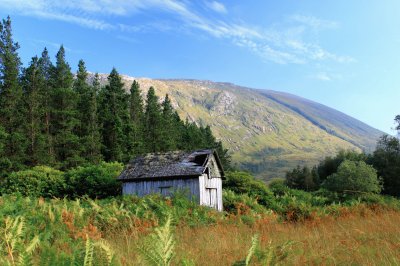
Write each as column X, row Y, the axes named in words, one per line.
column 17, row 251
column 158, row 248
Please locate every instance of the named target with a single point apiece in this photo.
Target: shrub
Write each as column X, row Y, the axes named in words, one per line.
column 95, row 181
column 330, row 165
column 278, row 187
column 353, row 177
column 245, row 183
column 40, row 181
column 303, row 178
column 240, row 203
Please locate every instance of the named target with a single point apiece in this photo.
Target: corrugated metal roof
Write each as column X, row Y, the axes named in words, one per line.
column 168, row 164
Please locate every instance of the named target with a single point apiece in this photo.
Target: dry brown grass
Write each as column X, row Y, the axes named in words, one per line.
column 357, row 237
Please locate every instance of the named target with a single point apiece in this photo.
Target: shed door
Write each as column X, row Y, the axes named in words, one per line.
column 212, row 198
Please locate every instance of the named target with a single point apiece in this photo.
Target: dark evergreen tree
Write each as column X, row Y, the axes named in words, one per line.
column 87, row 130
column 47, row 68
column 303, row 178
column 136, row 112
column 33, row 81
column 5, row 162
column 64, row 120
column 169, row 127
column 153, row 122
column 113, row 111
column 386, row 160
column 11, row 103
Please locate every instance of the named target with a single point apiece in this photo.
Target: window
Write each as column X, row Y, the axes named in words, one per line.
column 165, row 191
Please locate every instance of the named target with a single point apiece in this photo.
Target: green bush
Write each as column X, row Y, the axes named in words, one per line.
column 39, row 181
column 240, row 203
column 303, row 178
column 94, row 181
column 353, row 178
column 245, row 183
column 278, row 187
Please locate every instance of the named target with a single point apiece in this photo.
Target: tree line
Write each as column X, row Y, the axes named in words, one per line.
column 50, row 117
column 349, row 170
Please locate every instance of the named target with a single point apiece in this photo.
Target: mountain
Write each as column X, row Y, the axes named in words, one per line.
column 267, row 132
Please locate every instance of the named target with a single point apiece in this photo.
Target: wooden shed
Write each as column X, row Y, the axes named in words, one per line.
column 198, row 173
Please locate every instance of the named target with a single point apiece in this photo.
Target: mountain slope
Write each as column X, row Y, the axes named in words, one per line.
column 267, row 132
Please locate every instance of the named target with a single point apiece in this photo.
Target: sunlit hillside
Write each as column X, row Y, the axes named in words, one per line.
column 265, row 131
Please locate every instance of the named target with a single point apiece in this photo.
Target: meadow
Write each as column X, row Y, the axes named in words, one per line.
column 174, row 231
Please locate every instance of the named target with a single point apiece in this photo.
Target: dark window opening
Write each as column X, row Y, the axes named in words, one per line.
column 200, row 159
column 165, row 191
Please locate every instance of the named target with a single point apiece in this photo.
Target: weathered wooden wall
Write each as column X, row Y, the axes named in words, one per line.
column 205, row 189
column 164, row 187
column 211, row 192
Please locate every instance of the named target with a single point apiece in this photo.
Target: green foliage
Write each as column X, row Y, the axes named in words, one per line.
column 245, row 183
column 153, row 122
column 33, row 81
column 15, row 248
column 353, row 177
column 88, row 128
column 114, row 112
column 271, row 255
column 158, row 249
column 94, row 181
column 330, row 165
column 11, row 102
column 386, row 160
column 303, row 178
column 136, row 111
column 241, row 203
column 39, row 181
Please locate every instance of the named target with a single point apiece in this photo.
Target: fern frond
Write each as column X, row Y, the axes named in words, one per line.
column 33, row 245
column 252, row 249
column 107, row 249
column 159, row 247
column 88, row 261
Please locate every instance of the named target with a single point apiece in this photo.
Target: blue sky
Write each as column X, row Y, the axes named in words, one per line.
column 344, row 54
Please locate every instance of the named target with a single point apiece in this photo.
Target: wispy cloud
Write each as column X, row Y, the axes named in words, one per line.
column 283, row 43
column 315, row 23
column 325, row 76
column 216, row 6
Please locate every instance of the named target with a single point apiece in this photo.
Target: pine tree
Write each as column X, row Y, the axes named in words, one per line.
column 136, row 119
column 5, row 163
column 11, row 105
column 153, row 121
column 87, row 129
column 47, row 68
column 114, row 110
column 93, row 143
column 168, row 133
column 33, row 81
column 64, row 120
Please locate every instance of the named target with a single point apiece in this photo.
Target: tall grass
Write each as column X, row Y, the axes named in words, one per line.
column 158, row 248
column 159, row 231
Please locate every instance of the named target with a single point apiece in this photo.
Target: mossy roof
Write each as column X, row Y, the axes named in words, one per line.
column 167, row 165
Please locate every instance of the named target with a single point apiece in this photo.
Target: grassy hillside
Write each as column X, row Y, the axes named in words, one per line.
column 328, row 119
column 266, row 132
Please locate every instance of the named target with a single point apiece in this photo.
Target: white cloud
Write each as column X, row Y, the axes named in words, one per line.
column 217, row 7
column 325, row 76
column 315, row 23
column 283, row 43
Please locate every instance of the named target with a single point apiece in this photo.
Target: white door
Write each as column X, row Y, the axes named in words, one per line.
column 212, row 198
